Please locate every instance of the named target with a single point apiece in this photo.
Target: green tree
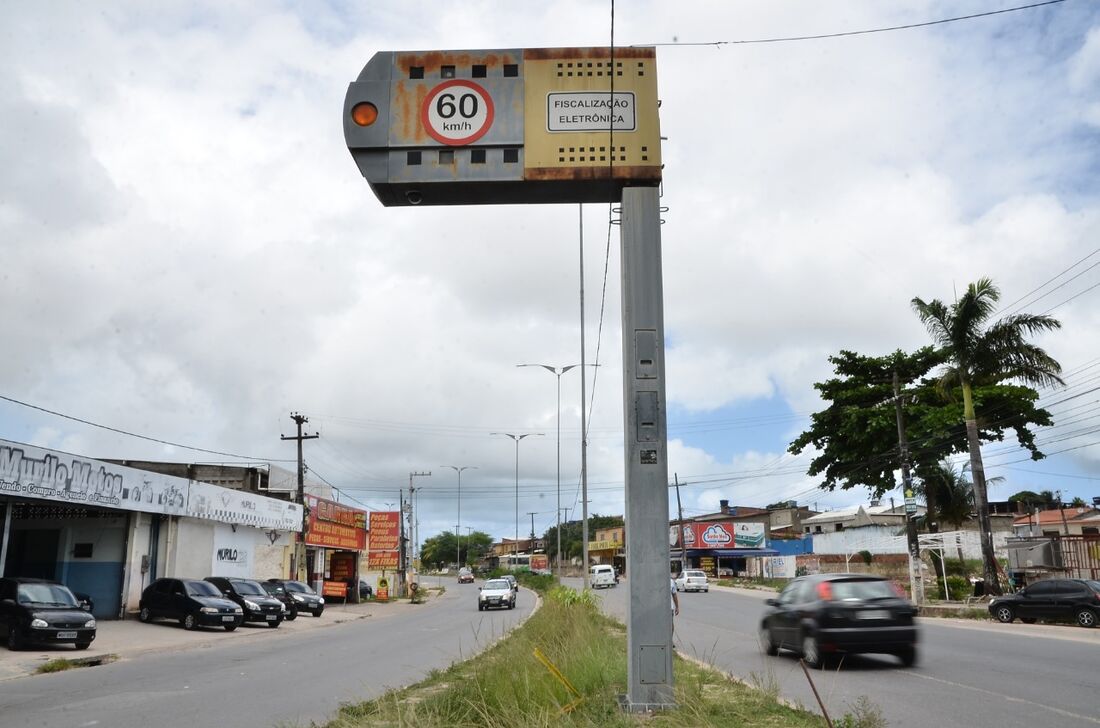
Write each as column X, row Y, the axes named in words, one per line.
column 948, row 495
column 571, row 543
column 441, row 550
column 1031, row 499
column 856, row 435
column 978, row 354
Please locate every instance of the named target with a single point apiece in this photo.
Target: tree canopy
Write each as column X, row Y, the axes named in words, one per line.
column 441, row 550
column 856, row 435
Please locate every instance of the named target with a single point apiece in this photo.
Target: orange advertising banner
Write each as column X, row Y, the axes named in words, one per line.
column 385, row 539
column 334, row 525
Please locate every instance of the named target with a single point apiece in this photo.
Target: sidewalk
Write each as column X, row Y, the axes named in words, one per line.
column 129, row 638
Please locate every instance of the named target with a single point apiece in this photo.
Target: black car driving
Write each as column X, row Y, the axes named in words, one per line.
column 827, row 614
column 192, row 602
column 258, row 606
column 38, row 611
column 1051, row 599
column 307, row 599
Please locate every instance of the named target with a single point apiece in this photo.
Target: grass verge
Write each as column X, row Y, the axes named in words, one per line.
column 508, row 686
column 57, row 665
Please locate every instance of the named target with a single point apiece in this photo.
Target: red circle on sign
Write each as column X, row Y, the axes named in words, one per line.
column 425, row 110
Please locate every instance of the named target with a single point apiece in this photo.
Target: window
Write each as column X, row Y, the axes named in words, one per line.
column 416, row 72
column 447, row 72
column 412, row 158
column 817, row 529
column 82, row 550
column 511, row 70
column 478, row 71
column 511, row 156
column 840, row 526
column 477, row 156
column 1041, row 589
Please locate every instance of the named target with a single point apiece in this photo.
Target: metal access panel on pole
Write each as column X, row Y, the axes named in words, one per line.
column 649, row 609
column 536, row 125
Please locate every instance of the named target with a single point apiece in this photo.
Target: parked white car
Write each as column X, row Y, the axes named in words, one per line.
column 601, row 576
column 692, row 581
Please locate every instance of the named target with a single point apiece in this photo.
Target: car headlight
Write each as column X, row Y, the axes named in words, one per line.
column 209, row 610
column 282, row 606
column 238, row 610
column 90, row 624
column 320, row 600
column 252, row 605
column 39, row 623
column 297, row 597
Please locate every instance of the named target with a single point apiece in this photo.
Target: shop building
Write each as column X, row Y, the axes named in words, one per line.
column 107, row 530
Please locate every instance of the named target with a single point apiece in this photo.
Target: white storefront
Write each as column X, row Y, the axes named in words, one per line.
column 109, row 530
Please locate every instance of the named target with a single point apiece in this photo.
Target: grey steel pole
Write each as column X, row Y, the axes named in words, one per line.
column 517, row 438
column 458, row 534
column 649, row 613
column 584, row 423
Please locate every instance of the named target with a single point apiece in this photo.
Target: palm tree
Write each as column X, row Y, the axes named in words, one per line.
column 977, row 355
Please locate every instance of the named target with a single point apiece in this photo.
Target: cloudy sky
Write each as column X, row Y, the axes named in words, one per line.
column 190, row 254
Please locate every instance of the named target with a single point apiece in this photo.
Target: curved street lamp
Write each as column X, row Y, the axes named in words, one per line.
column 458, row 525
column 517, row 438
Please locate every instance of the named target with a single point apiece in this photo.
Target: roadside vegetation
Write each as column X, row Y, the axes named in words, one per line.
column 514, row 683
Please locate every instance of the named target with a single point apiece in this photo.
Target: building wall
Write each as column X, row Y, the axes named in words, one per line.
column 192, row 549
column 137, row 548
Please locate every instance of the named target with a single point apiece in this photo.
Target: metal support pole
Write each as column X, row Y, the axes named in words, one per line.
column 584, row 422
column 915, row 580
column 649, row 610
column 7, row 533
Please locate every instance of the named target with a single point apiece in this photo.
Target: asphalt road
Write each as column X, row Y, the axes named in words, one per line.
column 970, row 673
column 280, row 680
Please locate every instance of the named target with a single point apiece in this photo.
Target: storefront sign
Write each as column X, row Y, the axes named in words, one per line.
column 233, row 552
column 604, row 545
column 31, row 472
column 241, row 507
column 719, row 535
column 335, row 526
column 384, row 539
column 334, row 589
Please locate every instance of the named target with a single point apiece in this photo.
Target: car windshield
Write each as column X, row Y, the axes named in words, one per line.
column 298, row 587
column 498, row 584
column 50, row 595
column 201, row 589
column 246, row 587
column 696, row 574
column 273, row 588
column 860, row 589
column 1094, row 585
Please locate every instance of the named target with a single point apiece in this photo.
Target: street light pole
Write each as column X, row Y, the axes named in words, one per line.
column 458, row 533
column 517, row 438
column 557, row 372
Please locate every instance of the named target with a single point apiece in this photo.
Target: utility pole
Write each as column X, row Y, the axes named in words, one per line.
column 414, row 534
column 532, row 514
column 584, row 424
column 1062, row 510
column 298, row 564
column 907, row 484
column 402, row 553
column 680, row 527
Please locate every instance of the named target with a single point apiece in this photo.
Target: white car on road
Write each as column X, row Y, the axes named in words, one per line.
column 496, row 593
column 692, row 581
column 602, row 576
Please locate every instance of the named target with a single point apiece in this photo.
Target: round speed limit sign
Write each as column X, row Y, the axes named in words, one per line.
column 457, row 112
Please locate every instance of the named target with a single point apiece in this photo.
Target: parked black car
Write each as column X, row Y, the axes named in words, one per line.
column 278, row 591
column 36, row 611
column 827, row 614
column 307, row 599
column 251, row 597
column 193, row 602
column 1055, row 599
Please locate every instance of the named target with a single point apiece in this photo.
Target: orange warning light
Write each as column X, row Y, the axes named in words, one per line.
column 364, row 114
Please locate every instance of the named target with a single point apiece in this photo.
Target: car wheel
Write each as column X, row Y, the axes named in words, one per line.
column 1028, row 620
column 481, row 607
column 908, row 656
column 1004, row 614
column 766, row 643
column 189, row 622
column 317, row 612
column 145, row 615
column 292, row 615
column 275, row 624
column 230, row 627
column 811, row 652
column 15, row 640
column 83, row 645
column 1086, row 618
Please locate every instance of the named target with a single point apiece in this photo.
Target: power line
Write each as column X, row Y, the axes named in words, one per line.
column 144, row 437
column 868, row 31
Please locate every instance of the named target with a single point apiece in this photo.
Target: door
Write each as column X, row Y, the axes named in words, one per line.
column 1038, row 600
column 7, row 611
column 785, row 621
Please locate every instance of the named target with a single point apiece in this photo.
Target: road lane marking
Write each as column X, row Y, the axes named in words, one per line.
column 1009, row 698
